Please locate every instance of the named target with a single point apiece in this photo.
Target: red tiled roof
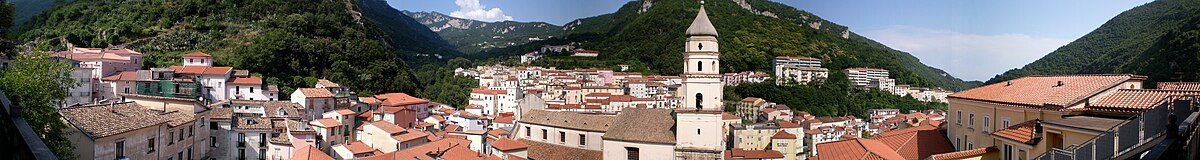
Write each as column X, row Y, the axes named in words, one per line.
column 252, row 80
column 315, row 92
column 1181, row 86
column 357, row 147
column 399, row 99
column 783, row 135
column 422, row 151
column 855, row 149
column 123, row 76
column 964, row 154
column 750, row 99
column 387, row 127
column 538, row 150
column 1138, row 99
column 497, row 132
column 325, row 123
column 197, row 54
column 310, row 153
column 728, row 116
column 505, row 144
column 797, row 57
column 585, row 51
column 1020, row 132
column 414, row 135
column 1042, row 90
column 504, row 119
column 916, row 142
column 344, row 111
column 754, row 154
column 487, row 91
column 786, row 124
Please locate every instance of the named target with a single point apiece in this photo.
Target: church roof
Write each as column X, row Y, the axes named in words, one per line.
column 701, row 25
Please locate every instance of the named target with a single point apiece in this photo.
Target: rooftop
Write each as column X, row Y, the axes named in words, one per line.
column 571, row 120
column 1022, row 132
column 643, row 125
column 104, row 120
column 1046, row 90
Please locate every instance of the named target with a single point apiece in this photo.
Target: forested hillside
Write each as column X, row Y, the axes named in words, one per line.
column 291, row 43
column 416, row 43
column 1158, row 39
column 752, row 33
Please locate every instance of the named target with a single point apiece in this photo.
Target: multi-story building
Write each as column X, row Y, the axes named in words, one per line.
column 245, row 129
column 1029, row 116
column 702, row 92
column 799, row 70
column 863, row 77
column 124, row 130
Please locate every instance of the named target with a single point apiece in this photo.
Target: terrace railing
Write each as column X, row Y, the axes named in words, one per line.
column 1131, row 135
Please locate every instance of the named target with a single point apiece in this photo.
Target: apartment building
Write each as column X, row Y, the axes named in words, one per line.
column 124, row 130
column 797, row 69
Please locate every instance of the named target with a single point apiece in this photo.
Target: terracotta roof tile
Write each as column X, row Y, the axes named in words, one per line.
column 310, row 153
column 497, row 132
column 963, row 154
column 783, row 135
column 415, row 135
column 357, row 147
column 399, row 99
column 104, row 120
column 855, row 149
column 315, row 92
column 197, row 54
column 539, row 150
column 252, row 80
column 728, row 116
column 643, row 125
column 505, row 144
column 1042, row 90
column 325, row 123
column 739, row 153
column 1137, row 99
column 1180, row 86
column 122, row 76
column 421, row 151
column 386, row 127
column 1022, row 132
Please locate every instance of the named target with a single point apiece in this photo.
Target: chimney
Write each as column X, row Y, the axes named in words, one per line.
column 1060, row 84
column 112, row 107
column 1008, row 83
column 1037, row 128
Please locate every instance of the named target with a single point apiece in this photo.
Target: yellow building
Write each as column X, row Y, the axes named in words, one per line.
column 1025, row 117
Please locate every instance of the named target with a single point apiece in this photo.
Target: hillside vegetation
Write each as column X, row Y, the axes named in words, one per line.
column 1157, row 39
column 752, row 33
column 472, row 36
column 291, row 43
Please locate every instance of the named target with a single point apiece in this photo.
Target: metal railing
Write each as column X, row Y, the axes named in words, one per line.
column 20, row 139
column 1136, row 131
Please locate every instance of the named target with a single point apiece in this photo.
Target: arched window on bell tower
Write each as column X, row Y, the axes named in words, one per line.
column 699, row 101
column 699, row 66
column 714, row 66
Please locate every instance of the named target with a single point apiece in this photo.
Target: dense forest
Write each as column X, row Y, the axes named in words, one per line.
column 291, row 43
column 749, row 40
column 1157, row 39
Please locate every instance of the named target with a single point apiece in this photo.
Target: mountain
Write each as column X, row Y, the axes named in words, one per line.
column 407, row 33
column 471, row 36
column 289, row 43
column 28, row 8
column 1157, row 39
column 648, row 35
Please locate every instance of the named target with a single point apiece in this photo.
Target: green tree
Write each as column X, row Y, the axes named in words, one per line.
column 36, row 82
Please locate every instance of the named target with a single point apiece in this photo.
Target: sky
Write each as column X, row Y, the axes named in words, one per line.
column 972, row 40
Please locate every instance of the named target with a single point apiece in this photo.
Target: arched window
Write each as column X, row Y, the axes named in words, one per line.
column 699, row 66
column 714, row 65
column 699, row 100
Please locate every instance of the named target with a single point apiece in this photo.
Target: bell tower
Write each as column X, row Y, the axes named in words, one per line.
column 698, row 132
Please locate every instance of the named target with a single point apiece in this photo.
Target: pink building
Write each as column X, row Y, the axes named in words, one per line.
column 106, row 61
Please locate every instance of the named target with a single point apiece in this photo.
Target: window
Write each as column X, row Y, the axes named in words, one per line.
column 527, row 132
column 631, row 153
column 126, row 90
column 544, row 134
column 189, row 153
column 212, row 125
column 958, row 118
column 262, row 140
column 237, row 89
column 171, row 138
column 562, row 137
column 181, row 134
column 121, row 148
column 987, row 123
column 699, row 101
column 212, row 141
column 1007, row 154
column 262, row 154
column 582, row 139
column 1055, row 140
column 1004, row 123
column 971, row 120
column 241, row 154
column 958, row 143
column 150, row 146
column 251, row 89
column 179, row 156
column 241, row 140
column 697, row 131
column 699, row 66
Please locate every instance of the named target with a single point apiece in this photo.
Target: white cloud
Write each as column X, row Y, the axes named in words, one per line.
column 471, row 9
column 964, row 55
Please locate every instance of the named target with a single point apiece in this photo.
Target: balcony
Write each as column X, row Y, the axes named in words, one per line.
column 1150, row 133
column 20, row 138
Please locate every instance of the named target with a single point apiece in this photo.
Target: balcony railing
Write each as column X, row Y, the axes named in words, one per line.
column 19, row 137
column 1131, row 135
